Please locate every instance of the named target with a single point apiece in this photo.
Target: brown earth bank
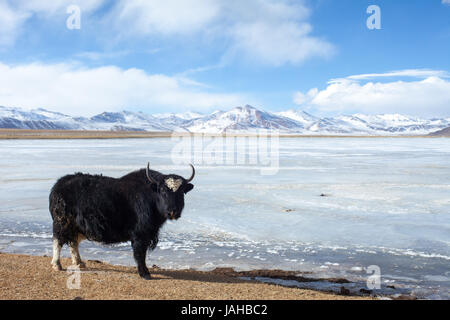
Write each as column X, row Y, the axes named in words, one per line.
column 441, row 133
column 78, row 134
column 83, row 134
column 24, row 277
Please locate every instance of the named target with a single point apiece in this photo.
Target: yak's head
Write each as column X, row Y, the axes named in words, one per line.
column 170, row 190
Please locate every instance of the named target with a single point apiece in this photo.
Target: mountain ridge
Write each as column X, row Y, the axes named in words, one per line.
column 241, row 119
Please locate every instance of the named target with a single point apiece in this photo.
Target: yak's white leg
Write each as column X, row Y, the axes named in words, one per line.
column 76, row 258
column 56, row 263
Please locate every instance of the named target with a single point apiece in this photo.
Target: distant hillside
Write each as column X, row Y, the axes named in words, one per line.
column 441, row 133
column 246, row 119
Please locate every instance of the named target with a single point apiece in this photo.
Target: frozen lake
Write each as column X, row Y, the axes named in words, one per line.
column 387, row 204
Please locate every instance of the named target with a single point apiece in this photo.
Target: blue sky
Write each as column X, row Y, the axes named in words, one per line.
column 202, row 55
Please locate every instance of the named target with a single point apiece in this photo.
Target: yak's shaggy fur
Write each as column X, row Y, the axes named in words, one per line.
column 109, row 210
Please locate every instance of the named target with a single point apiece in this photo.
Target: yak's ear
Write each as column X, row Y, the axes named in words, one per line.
column 188, row 188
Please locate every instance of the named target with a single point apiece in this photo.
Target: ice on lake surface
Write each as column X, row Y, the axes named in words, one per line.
column 387, row 204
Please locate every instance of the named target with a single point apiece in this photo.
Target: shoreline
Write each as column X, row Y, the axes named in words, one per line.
column 22, row 134
column 25, row 277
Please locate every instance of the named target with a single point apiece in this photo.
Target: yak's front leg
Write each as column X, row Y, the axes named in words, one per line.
column 140, row 253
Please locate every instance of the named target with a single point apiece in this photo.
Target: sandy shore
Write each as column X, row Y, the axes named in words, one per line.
column 31, row 277
column 78, row 134
column 7, row 134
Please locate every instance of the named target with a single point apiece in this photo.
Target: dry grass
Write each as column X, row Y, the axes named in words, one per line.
column 31, row 277
column 74, row 134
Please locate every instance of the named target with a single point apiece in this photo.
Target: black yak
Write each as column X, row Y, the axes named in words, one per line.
column 108, row 210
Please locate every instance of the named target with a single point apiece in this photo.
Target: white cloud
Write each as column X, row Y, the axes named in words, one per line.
column 429, row 96
column 274, row 32
column 163, row 16
column 10, row 23
column 268, row 31
column 96, row 56
column 445, row 1
column 415, row 73
column 301, row 98
column 286, row 43
column 55, row 6
column 85, row 91
column 15, row 13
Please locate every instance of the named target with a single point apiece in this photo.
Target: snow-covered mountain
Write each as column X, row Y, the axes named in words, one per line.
column 299, row 116
column 245, row 119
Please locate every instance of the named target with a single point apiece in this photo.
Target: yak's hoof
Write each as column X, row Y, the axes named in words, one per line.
column 146, row 276
column 57, row 266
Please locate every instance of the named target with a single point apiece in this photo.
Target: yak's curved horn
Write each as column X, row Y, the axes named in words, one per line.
column 148, row 173
column 193, row 174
